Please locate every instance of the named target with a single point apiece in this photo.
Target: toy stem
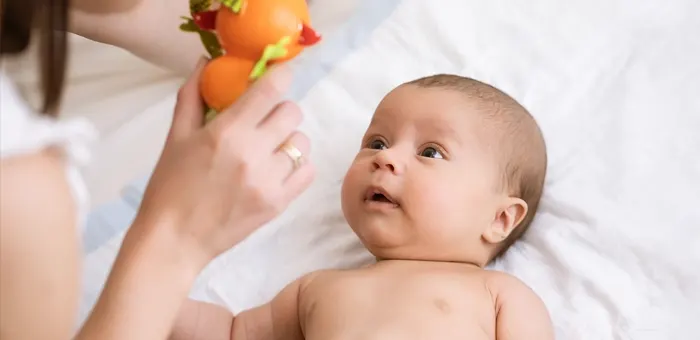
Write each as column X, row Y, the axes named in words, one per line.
column 211, row 114
column 209, row 39
column 271, row 52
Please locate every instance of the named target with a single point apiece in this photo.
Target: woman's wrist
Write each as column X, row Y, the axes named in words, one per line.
column 162, row 241
column 151, row 277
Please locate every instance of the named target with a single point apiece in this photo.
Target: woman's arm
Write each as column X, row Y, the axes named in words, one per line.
column 40, row 264
column 39, row 249
column 206, row 194
column 147, row 28
column 149, row 281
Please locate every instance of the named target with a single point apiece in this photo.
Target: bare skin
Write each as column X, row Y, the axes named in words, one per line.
column 31, row 285
column 389, row 300
column 436, row 224
column 194, row 209
column 147, row 28
column 400, row 300
column 206, row 195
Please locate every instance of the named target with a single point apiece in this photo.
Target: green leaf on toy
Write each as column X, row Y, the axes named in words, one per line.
column 197, row 6
column 211, row 43
column 271, row 52
column 208, row 39
column 189, row 25
column 233, row 5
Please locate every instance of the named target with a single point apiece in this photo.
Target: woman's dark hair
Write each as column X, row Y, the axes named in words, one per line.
column 18, row 18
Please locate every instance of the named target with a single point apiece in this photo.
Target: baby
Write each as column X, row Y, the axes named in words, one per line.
column 449, row 175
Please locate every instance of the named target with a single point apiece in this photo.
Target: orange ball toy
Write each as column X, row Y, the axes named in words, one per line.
column 260, row 23
column 223, row 80
column 244, row 37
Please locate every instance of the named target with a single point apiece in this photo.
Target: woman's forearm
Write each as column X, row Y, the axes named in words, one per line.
column 149, row 281
column 147, row 28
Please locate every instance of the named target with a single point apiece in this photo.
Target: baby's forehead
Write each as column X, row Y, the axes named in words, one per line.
column 431, row 110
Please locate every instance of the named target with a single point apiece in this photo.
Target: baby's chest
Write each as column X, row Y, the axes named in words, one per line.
column 416, row 305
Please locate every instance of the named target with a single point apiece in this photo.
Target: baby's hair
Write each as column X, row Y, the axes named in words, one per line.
column 519, row 140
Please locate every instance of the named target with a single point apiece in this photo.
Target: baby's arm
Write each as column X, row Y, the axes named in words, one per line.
column 201, row 320
column 205, row 321
column 520, row 313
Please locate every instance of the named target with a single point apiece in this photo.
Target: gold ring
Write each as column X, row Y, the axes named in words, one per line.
column 294, row 154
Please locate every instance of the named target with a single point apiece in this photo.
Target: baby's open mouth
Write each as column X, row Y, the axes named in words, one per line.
column 380, row 196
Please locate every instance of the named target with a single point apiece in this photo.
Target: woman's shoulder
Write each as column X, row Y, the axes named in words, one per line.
column 31, row 140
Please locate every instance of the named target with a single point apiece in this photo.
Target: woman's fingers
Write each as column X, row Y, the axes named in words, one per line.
column 299, row 181
column 280, row 124
column 257, row 102
column 189, row 109
column 295, row 174
column 290, row 157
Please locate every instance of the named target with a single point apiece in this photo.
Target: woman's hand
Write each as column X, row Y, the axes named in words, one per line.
column 216, row 184
column 212, row 187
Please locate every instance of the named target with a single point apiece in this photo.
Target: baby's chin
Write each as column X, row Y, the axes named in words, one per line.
column 388, row 240
column 387, row 250
column 415, row 252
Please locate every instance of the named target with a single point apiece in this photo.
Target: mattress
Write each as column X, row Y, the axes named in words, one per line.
column 614, row 86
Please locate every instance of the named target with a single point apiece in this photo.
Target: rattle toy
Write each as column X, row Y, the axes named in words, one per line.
column 244, row 37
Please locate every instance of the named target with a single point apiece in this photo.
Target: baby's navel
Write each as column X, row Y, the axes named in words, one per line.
column 442, row 305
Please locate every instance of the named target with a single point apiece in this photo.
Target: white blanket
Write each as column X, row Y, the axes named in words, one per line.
column 615, row 86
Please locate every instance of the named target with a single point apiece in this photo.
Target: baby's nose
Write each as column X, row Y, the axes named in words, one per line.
column 386, row 160
column 386, row 165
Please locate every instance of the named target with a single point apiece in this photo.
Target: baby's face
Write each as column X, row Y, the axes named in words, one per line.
column 424, row 184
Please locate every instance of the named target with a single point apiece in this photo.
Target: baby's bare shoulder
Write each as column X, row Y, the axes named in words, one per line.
column 505, row 286
column 497, row 279
column 519, row 309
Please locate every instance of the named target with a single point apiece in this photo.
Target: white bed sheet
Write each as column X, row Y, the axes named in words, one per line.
column 615, row 86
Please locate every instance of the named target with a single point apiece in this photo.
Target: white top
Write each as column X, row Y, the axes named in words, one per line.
column 24, row 131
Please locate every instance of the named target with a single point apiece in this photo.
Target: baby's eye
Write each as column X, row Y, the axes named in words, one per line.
column 377, row 145
column 431, row 152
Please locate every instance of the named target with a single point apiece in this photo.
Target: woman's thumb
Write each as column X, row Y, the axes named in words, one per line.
column 189, row 109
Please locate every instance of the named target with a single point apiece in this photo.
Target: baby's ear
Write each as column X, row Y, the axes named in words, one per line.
column 508, row 216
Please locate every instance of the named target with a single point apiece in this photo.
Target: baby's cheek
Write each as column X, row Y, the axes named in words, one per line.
column 436, row 201
column 354, row 177
column 455, row 202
